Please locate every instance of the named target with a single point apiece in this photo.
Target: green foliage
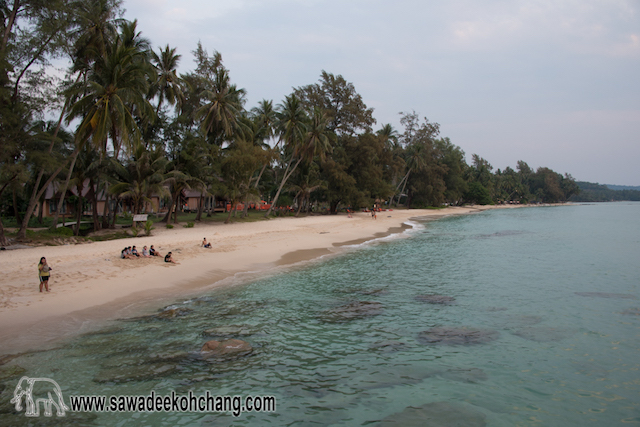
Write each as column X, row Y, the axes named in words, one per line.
column 478, row 194
column 135, row 231
column 148, row 226
column 169, row 226
column 590, row 192
column 190, row 224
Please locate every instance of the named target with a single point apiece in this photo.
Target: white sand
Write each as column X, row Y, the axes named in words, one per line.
column 91, row 285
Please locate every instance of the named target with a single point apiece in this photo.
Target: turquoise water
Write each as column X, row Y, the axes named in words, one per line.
column 556, row 289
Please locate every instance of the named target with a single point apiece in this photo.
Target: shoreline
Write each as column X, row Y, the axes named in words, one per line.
column 91, row 286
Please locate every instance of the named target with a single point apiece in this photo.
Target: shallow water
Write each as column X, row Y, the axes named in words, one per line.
column 553, row 293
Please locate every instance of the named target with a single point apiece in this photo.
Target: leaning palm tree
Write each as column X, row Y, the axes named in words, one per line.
column 305, row 138
column 415, row 162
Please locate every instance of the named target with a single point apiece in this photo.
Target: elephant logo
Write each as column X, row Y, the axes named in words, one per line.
column 36, row 391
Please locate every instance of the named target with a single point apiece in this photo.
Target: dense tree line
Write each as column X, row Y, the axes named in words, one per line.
column 130, row 126
column 590, row 192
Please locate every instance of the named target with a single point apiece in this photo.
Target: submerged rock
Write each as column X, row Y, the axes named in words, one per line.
column 170, row 313
column 469, row 375
column 389, row 346
column 7, row 372
column 543, row 333
column 605, row 295
column 134, row 373
column 436, row 414
column 229, row 330
column 381, row 291
column 226, row 348
column 436, row 299
column 354, row 310
column 449, row 335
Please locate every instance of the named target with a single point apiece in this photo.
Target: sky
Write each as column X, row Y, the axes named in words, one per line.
column 555, row 83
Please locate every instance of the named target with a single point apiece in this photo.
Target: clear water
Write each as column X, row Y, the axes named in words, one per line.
column 561, row 358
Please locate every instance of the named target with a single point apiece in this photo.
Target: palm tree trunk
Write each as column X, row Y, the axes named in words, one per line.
column 3, row 239
column 245, row 211
column 301, row 199
column 106, row 210
column 200, row 206
column 175, row 211
column 287, row 175
column 406, row 179
column 115, row 212
column 64, row 191
column 16, row 211
column 167, row 216
column 76, row 230
column 94, row 205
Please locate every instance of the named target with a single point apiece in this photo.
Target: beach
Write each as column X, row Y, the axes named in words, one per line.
column 91, row 285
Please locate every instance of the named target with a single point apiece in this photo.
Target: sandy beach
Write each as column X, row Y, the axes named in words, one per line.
column 91, row 284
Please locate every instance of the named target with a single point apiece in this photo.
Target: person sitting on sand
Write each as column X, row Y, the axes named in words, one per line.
column 169, row 258
column 135, row 253
column 125, row 253
column 206, row 244
column 44, row 272
column 153, row 252
column 145, row 252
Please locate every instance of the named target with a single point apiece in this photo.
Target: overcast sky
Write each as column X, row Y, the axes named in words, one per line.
column 554, row 83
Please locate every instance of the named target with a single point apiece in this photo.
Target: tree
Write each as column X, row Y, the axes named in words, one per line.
column 223, row 105
column 168, row 86
column 239, row 163
column 141, row 177
column 114, row 93
column 304, row 138
column 338, row 99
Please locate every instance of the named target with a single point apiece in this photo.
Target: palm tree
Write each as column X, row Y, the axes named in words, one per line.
column 96, row 22
column 114, row 94
column 224, row 102
column 304, row 138
column 142, row 177
column 416, row 161
column 168, row 85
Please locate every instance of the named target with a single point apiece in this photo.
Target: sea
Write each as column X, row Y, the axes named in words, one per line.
column 506, row 317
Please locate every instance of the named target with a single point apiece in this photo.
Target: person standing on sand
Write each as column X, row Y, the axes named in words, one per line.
column 44, row 272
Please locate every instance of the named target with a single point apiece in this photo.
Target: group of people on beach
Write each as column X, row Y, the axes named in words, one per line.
column 130, row 252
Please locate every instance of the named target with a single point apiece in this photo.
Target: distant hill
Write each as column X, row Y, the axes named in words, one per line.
column 623, row 187
column 591, row 192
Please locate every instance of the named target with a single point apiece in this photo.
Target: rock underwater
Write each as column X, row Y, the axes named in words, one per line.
column 436, row 299
column 226, row 348
column 453, row 335
column 436, row 414
column 354, row 310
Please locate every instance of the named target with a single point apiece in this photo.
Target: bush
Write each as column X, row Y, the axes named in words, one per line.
column 134, row 231
column 169, row 225
column 148, row 226
column 190, row 224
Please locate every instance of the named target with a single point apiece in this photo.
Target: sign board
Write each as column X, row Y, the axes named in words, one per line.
column 140, row 218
